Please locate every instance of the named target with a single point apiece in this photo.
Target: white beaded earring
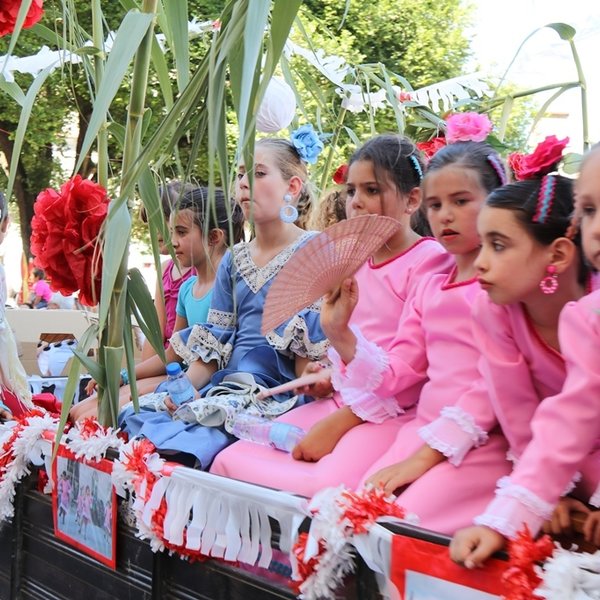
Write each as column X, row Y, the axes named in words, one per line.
column 288, row 212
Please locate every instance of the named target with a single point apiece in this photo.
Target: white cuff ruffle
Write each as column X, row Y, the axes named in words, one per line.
column 358, row 381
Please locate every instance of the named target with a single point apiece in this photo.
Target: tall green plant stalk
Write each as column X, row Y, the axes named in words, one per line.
column 99, row 58
column 332, row 148
column 584, row 101
column 112, row 346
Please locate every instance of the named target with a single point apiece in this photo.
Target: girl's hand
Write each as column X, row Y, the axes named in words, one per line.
column 409, row 470
column 322, row 389
column 472, row 546
column 324, row 435
column 561, row 522
column 90, row 388
column 5, row 414
column 337, row 308
column 591, row 528
column 171, row 406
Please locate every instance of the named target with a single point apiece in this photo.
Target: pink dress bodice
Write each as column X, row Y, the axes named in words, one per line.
column 171, row 290
column 519, row 368
column 566, row 429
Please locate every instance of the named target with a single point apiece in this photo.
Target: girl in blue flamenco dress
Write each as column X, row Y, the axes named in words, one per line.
column 229, row 359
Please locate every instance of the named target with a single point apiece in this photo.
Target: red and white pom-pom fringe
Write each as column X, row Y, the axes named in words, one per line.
column 21, row 444
column 325, row 555
column 197, row 515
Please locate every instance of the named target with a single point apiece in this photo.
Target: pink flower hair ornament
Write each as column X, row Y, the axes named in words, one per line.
column 467, row 127
column 460, row 127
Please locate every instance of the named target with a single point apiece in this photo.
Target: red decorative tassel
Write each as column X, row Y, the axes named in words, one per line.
column 520, row 578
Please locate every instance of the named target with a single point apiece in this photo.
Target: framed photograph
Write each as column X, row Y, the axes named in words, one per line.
column 84, row 505
column 422, row 570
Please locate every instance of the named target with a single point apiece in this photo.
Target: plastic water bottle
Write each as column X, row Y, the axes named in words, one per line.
column 282, row 436
column 179, row 386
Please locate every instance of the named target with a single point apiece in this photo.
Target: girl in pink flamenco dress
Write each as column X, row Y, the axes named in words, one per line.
column 435, row 341
column 64, row 496
column 566, row 426
column 383, row 178
column 84, row 509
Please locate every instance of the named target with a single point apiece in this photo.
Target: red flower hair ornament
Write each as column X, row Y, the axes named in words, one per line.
column 341, row 174
column 543, row 160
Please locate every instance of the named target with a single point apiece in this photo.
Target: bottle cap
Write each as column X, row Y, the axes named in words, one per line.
column 173, row 369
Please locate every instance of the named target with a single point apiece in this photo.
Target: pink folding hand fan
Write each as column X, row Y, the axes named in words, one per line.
column 322, row 264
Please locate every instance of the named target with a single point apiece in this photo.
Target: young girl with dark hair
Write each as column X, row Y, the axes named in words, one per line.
column 173, row 275
column 383, row 179
column 565, row 430
column 201, row 233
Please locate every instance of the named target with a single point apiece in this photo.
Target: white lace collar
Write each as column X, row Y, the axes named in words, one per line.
column 256, row 277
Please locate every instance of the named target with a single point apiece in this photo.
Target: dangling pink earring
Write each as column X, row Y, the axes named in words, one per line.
column 549, row 284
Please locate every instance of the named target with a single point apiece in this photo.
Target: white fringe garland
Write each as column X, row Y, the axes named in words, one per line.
column 28, row 447
column 229, row 519
column 570, row 575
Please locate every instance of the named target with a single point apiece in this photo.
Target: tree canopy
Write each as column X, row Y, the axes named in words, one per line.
column 423, row 41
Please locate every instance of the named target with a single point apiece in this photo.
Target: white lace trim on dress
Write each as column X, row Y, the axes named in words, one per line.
column 357, row 381
column 222, row 319
column 295, row 340
column 256, row 277
column 467, row 423
column 526, row 497
column 448, row 450
column 203, row 345
column 500, row 524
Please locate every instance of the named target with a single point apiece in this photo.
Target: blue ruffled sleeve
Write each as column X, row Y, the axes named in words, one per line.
column 301, row 335
column 214, row 339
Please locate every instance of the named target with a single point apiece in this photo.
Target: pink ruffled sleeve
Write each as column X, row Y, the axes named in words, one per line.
column 566, row 428
column 374, row 382
column 507, row 374
column 457, row 430
column 465, row 425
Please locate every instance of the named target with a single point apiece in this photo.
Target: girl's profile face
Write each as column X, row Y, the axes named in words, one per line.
column 511, row 263
column 453, row 197
column 187, row 238
column 268, row 191
column 163, row 248
column 587, row 192
column 365, row 195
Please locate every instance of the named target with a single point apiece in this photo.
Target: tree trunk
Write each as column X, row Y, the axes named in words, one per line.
column 25, row 199
column 88, row 167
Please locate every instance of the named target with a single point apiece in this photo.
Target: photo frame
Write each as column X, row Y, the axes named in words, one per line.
column 84, row 505
column 422, row 569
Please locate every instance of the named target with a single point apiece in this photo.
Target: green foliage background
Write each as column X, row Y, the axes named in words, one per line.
column 423, row 41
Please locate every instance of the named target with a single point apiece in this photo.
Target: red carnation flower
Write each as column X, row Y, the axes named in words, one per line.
column 543, row 160
column 9, row 10
column 64, row 238
column 340, row 175
column 430, row 147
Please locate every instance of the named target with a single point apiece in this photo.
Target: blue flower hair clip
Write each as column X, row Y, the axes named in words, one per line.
column 307, row 143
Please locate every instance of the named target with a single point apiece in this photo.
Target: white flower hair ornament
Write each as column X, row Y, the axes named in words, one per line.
column 277, row 108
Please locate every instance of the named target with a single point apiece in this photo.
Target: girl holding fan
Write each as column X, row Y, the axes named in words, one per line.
column 228, row 350
column 383, row 179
